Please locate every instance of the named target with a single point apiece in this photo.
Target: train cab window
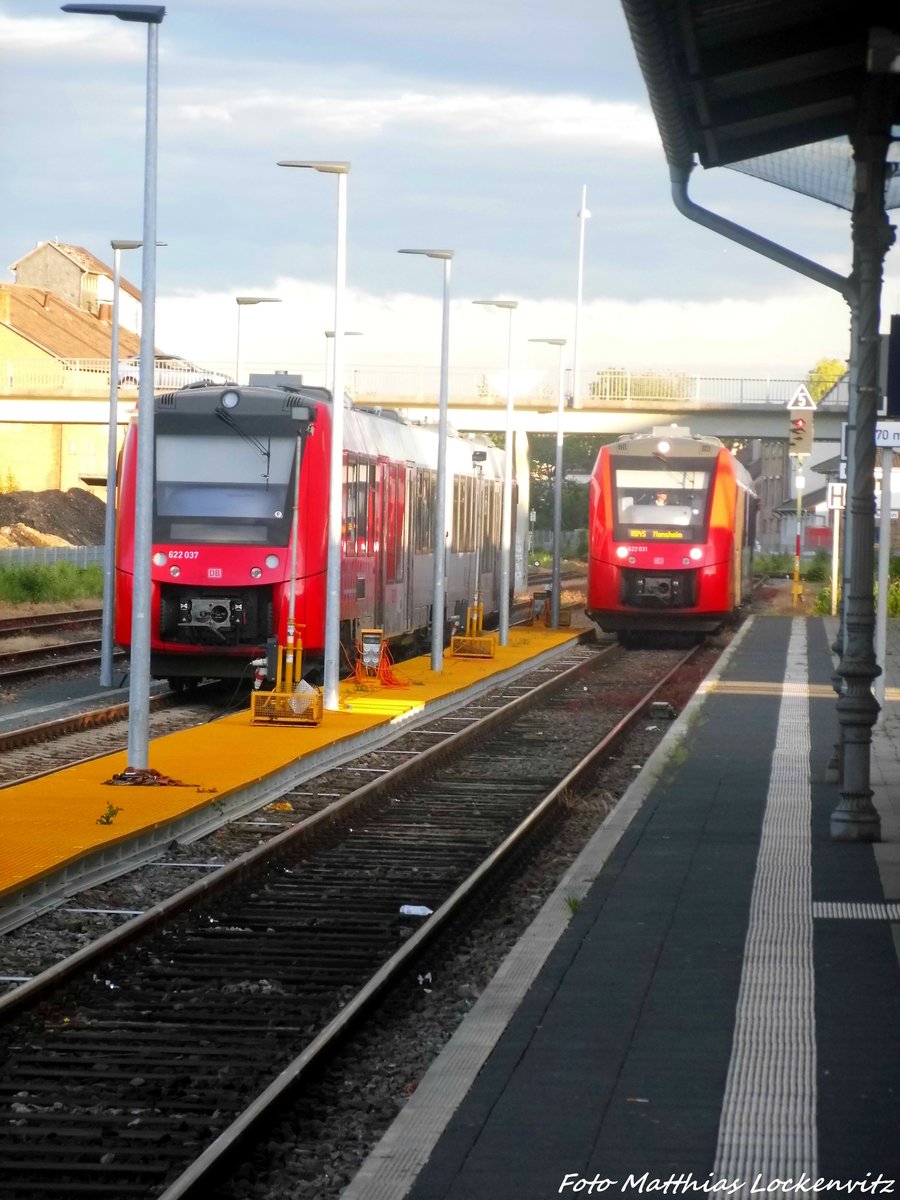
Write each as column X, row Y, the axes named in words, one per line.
column 216, row 487
column 661, row 502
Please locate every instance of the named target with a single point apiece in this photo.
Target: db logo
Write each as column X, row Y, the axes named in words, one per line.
column 214, row 573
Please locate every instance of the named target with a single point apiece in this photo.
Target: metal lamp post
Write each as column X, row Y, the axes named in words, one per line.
column 139, row 679
column 506, row 538
column 557, row 483
column 333, row 573
column 583, row 215
column 241, row 302
column 440, row 497
column 109, row 528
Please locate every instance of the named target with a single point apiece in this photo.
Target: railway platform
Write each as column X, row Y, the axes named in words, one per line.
column 76, row 826
column 710, row 1001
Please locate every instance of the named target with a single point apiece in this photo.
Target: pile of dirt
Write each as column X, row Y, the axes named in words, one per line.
column 73, row 518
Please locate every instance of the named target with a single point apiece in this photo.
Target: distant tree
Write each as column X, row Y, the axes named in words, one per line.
column 579, row 455
column 823, row 376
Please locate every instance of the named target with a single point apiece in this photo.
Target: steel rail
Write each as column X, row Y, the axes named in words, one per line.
column 10, row 626
column 311, row 828
column 194, row 1182
column 328, row 826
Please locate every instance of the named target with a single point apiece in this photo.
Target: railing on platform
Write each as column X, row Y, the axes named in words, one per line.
column 418, row 387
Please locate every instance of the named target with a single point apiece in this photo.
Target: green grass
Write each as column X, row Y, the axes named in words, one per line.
column 815, row 570
column 50, row 583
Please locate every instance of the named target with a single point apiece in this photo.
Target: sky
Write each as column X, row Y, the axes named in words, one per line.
column 469, row 126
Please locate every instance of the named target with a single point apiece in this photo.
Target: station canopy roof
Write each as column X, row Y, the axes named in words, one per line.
column 772, row 88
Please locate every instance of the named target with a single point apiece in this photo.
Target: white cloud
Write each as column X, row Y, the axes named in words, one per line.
column 781, row 336
column 46, row 37
column 481, row 115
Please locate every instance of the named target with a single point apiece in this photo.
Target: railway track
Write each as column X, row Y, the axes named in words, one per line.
column 133, row 1066
column 42, row 747
column 71, row 738
column 65, row 654
column 48, row 622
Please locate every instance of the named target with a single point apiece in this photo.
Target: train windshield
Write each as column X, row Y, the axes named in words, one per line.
column 220, row 487
column 662, row 502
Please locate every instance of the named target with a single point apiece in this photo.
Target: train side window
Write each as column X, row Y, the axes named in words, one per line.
column 423, row 512
column 358, row 524
column 491, row 506
column 348, row 519
column 367, row 502
column 463, row 513
column 394, row 514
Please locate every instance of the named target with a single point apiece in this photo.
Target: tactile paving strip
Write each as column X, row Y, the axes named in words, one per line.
column 768, row 1122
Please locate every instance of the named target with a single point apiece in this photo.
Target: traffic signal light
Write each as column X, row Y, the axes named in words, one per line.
column 800, row 439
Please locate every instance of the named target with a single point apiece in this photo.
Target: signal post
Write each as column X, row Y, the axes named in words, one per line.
column 800, row 442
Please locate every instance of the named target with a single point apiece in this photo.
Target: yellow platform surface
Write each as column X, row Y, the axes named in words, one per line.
column 48, row 822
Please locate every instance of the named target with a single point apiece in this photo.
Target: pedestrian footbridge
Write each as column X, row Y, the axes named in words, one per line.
column 78, row 392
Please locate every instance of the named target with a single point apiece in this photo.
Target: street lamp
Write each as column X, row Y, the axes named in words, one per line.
column 109, row 527
column 333, row 571
column 440, row 490
column 139, row 677
column 329, row 334
column 583, row 214
column 506, row 537
column 241, row 301
column 557, row 482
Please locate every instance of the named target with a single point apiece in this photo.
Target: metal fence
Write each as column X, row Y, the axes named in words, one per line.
column 571, row 540
column 23, row 556
column 417, row 386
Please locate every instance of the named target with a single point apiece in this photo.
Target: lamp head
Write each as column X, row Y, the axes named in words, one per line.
column 149, row 14
column 328, row 168
column 510, row 304
column 443, row 254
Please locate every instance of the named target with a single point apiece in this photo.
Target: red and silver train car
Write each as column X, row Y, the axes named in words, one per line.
column 224, row 492
column 672, row 525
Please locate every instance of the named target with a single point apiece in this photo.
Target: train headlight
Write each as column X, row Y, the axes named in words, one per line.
column 696, row 553
column 230, row 399
column 621, row 552
column 174, row 571
column 255, row 572
column 160, row 558
column 272, row 561
column 663, row 447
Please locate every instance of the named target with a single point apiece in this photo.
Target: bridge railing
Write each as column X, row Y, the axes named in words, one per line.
column 416, row 387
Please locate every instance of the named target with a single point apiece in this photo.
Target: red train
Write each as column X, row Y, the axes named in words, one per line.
column 672, row 525
column 224, row 491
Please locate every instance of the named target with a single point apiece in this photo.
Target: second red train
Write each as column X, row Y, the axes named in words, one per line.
column 672, row 526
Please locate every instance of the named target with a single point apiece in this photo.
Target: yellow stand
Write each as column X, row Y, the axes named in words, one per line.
column 287, row 705
column 474, row 643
